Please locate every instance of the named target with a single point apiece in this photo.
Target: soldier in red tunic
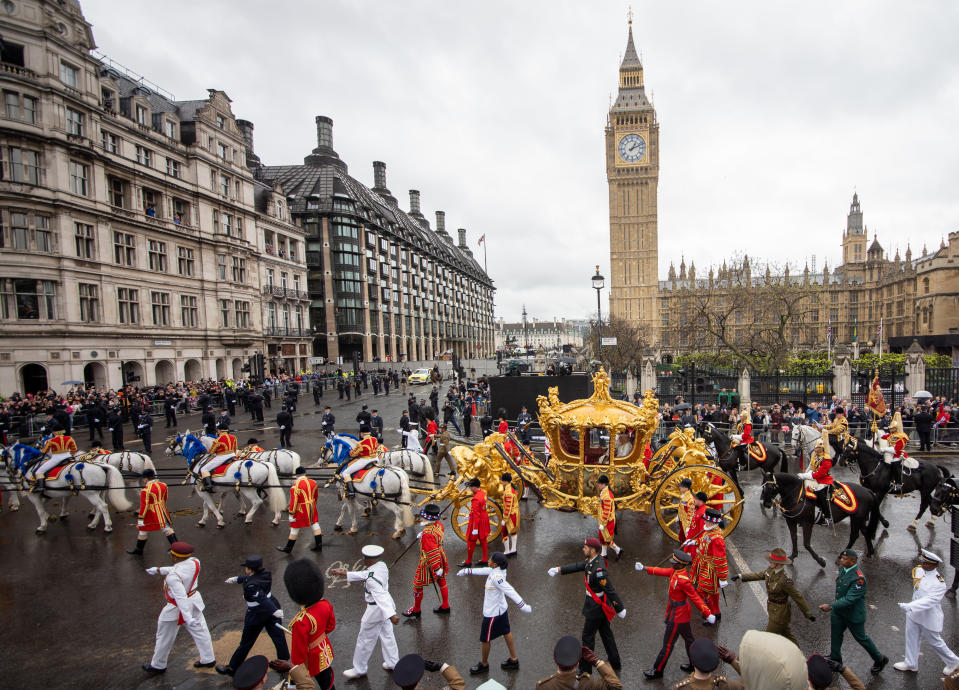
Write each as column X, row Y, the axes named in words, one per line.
column 223, row 450
column 311, row 650
column 510, row 515
column 710, row 572
column 478, row 528
column 153, row 515
column 678, row 613
column 433, row 565
column 302, row 509
column 607, row 517
column 696, row 523
column 820, row 481
column 59, row 447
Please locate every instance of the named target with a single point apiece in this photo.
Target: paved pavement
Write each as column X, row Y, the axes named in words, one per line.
column 80, row 612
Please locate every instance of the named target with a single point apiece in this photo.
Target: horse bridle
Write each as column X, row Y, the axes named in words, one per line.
column 777, row 501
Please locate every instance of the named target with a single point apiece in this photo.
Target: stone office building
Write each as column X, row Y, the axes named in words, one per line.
column 384, row 284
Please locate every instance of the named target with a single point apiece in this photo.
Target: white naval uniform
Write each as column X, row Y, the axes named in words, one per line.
column 179, row 581
column 375, row 623
column 924, row 617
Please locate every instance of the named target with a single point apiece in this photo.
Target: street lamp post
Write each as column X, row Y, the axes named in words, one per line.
column 598, row 283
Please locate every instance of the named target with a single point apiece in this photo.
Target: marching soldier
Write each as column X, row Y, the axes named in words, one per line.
column 678, row 613
column 223, row 450
column 184, row 607
column 433, row 565
column 478, row 528
column 601, row 604
column 380, row 615
column 510, row 515
column 924, row 616
column 145, row 430
column 59, row 447
column 780, row 588
column 284, row 420
column 153, row 514
column 443, row 445
column 838, row 429
column 310, row 647
column 302, row 509
column 376, row 425
column 263, row 612
column 820, row 481
column 709, row 565
column 606, row 518
column 328, row 421
column 567, row 654
column 848, row 611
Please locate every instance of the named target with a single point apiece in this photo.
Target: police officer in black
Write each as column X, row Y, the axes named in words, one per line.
column 523, row 421
column 115, row 425
column 95, row 416
column 284, row 420
column 602, row 602
column 145, row 430
column 230, row 397
column 328, row 421
column 262, row 612
column 209, row 422
column 170, row 403
column 405, row 424
column 363, row 419
column 255, row 401
column 376, row 426
column 224, row 420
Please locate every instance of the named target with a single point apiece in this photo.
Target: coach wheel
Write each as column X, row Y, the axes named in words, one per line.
column 461, row 518
column 722, row 491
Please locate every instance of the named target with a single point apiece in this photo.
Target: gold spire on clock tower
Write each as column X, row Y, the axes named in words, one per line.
column 632, row 171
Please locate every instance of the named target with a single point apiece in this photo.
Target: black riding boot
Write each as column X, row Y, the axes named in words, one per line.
column 317, row 543
column 823, row 499
column 40, row 486
column 289, row 546
column 138, row 549
column 208, row 484
column 172, row 537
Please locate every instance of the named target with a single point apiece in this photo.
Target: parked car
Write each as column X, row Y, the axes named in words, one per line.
column 419, row 376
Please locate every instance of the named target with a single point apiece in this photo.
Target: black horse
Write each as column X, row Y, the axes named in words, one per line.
column 878, row 475
column 798, row 509
column 946, row 495
column 732, row 458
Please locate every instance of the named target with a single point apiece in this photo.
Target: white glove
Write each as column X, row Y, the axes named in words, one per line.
column 282, row 428
column 439, row 573
column 723, row 584
column 553, row 572
column 153, row 571
column 419, row 535
column 805, row 475
column 464, row 571
column 710, row 619
column 639, row 566
column 189, row 621
column 689, row 542
column 621, row 614
column 139, row 523
column 475, row 532
column 526, row 608
column 278, row 614
column 230, row 581
column 904, row 606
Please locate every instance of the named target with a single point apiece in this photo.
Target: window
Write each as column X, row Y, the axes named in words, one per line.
column 228, row 225
column 236, row 191
column 271, row 315
column 188, row 311
column 74, row 122
column 160, row 302
column 270, row 277
column 239, row 228
column 184, row 261
column 221, row 267
column 129, row 305
column 213, row 180
column 239, row 270
column 169, row 128
column 224, row 185
column 23, row 165
column 26, row 297
column 79, row 178
column 43, row 235
column 296, row 283
column 221, row 150
column 151, row 201
column 216, row 221
column 124, row 249
column 242, row 314
column 89, row 302
column 84, row 241
column 145, row 156
column 108, row 98
column 117, row 191
column 110, row 141
column 173, row 168
column 11, row 102
column 19, row 231
column 69, row 74
column 30, row 109
column 224, row 313
column 142, row 116
column 220, row 121
column 157, row 256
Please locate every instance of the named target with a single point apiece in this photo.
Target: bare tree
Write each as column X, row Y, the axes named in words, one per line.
column 626, row 354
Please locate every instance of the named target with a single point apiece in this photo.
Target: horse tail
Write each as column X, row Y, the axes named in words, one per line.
column 275, row 492
column 405, row 499
column 427, row 469
column 116, row 493
column 943, row 472
column 873, row 523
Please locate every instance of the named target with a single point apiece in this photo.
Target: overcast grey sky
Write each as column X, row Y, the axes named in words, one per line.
column 771, row 114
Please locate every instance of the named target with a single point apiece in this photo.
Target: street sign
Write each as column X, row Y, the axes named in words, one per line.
column 611, row 342
column 317, row 360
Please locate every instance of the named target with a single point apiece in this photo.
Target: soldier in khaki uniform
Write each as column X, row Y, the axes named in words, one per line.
column 779, row 587
column 705, row 659
column 838, row 429
column 568, row 654
column 443, row 446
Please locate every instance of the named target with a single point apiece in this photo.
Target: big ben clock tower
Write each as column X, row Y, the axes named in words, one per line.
column 632, row 170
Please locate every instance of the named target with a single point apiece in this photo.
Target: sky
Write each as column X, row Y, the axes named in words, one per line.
column 771, row 116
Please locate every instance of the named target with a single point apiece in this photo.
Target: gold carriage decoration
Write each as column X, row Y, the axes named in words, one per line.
column 599, row 435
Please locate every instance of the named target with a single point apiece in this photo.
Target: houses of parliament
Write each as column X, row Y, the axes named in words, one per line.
column 913, row 297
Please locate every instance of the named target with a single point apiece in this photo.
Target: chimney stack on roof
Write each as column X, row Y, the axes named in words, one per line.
column 379, row 175
column 415, row 202
column 324, row 154
column 246, row 131
column 462, row 235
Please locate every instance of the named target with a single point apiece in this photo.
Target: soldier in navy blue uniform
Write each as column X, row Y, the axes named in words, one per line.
column 601, row 604
column 262, row 611
column 376, row 425
column 328, row 422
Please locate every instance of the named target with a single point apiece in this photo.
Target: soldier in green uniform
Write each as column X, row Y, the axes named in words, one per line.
column 848, row 611
column 779, row 587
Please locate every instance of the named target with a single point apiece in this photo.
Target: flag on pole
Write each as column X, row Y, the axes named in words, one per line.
column 855, row 330
column 482, row 239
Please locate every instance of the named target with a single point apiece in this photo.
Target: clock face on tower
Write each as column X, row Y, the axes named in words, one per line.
column 632, row 148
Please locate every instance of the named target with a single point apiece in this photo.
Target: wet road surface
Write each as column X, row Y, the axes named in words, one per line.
column 80, row 612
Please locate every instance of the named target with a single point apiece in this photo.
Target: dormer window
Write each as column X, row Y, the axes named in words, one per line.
column 142, row 116
column 169, row 128
column 220, row 121
column 108, row 99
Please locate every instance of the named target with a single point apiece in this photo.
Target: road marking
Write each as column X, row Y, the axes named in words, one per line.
column 743, row 567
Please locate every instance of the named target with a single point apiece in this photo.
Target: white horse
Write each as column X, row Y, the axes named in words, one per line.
column 283, row 459
column 391, row 484
column 127, row 461
column 8, row 481
column 804, row 439
column 249, row 478
column 413, row 463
